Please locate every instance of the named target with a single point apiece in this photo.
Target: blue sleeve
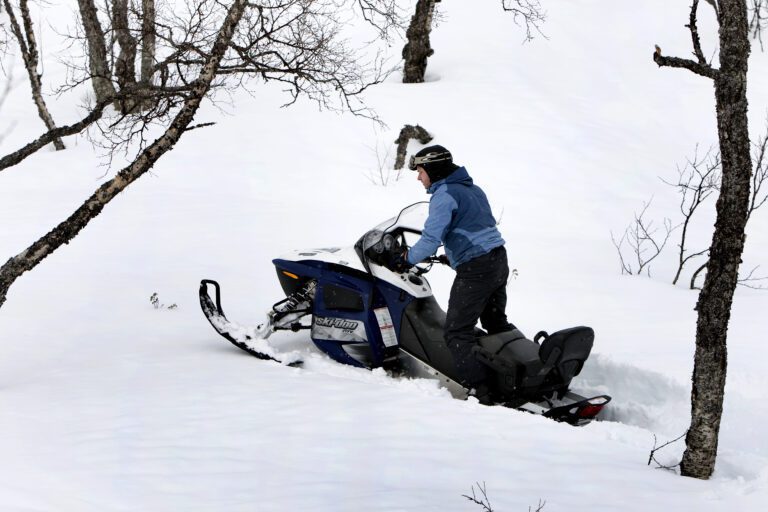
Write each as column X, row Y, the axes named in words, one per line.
column 441, row 209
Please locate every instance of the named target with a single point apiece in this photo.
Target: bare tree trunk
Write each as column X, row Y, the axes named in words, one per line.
column 148, row 44
column 29, row 54
column 67, row 230
column 417, row 50
column 716, row 297
column 101, row 76
column 125, row 65
column 147, row 40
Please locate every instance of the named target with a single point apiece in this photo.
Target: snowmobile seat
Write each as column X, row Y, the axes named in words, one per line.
column 566, row 351
column 513, row 357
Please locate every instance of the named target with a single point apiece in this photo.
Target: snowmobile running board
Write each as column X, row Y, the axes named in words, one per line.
column 238, row 336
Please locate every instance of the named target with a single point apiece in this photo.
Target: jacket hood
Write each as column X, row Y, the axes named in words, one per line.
column 458, row 177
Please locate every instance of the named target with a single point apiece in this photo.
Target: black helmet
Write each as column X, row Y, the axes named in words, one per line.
column 436, row 161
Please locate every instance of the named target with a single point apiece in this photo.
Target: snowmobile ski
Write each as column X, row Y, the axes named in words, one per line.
column 250, row 340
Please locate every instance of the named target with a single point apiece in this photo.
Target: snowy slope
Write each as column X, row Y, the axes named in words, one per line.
column 108, row 404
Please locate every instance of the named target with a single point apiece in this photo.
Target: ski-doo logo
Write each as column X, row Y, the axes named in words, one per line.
column 338, row 323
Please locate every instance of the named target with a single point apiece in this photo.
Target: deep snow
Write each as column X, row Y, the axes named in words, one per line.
column 109, row 404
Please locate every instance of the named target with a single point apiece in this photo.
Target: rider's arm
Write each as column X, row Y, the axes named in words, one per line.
column 441, row 209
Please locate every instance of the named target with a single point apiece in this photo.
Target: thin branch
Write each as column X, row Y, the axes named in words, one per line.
column 747, row 281
column 531, row 13
column 625, row 269
column 652, row 456
column 696, row 274
column 696, row 182
column 759, row 175
column 482, row 500
column 759, row 20
column 695, row 34
column 642, row 239
column 199, row 125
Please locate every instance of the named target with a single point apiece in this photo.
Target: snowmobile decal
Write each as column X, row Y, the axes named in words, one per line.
column 387, row 328
column 338, row 329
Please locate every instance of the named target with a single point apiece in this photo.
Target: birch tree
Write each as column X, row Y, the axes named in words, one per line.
column 295, row 43
column 716, row 296
column 24, row 33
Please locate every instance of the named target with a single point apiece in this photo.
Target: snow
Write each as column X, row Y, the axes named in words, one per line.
column 108, row 404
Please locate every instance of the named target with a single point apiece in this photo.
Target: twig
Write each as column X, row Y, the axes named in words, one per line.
column 744, row 281
column 200, row 125
column 652, row 455
column 695, row 34
column 483, row 501
column 694, row 186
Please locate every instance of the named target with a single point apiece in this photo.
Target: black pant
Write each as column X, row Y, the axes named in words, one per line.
column 478, row 292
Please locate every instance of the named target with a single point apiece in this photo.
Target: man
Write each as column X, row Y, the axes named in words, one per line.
column 460, row 218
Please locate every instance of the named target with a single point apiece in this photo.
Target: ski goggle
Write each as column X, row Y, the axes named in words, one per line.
column 429, row 158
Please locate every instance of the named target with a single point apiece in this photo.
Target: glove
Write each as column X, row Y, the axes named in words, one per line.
column 399, row 261
column 443, row 259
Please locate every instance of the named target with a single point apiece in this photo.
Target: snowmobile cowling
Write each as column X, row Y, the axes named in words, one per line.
column 361, row 313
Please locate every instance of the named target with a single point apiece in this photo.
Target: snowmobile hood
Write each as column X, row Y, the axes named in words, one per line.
column 458, row 177
column 344, row 256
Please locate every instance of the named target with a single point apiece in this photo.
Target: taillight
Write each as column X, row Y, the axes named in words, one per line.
column 589, row 411
column 592, row 407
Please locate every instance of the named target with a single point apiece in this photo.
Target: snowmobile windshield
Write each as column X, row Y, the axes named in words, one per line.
column 380, row 240
column 411, row 218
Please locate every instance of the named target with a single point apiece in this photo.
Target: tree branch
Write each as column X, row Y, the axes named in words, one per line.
column 30, row 56
column 530, row 11
column 700, row 66
column 92, row 207
column 676, row 62
column 695, row 34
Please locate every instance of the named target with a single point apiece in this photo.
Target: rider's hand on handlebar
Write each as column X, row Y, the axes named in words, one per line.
column 443, row 259
column 399, row 261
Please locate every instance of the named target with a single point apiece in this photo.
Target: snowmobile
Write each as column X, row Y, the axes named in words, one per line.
column 362, row 313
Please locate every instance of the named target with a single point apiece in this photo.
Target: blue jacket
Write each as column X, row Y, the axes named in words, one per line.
column 459, row 218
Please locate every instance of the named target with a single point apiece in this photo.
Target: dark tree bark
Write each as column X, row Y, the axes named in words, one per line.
column 284, row 40
column 716, row 297
column 417, row 50
column 125, row 65
column 51, row 135
column 93, row 206
column 148, row 45
column 29, row 53
column 407, row 133
column 101, row 75
column 147, row 40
